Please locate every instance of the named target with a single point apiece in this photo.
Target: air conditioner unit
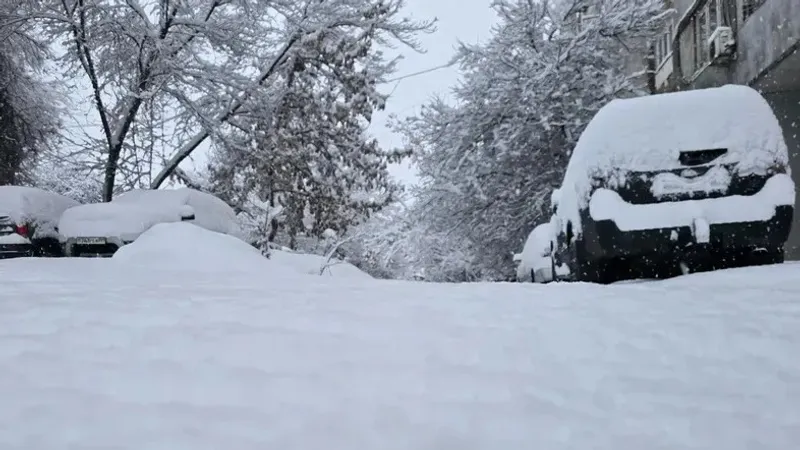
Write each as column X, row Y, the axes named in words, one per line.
column 721, row 44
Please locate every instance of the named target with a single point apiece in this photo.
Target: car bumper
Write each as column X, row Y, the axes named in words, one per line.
column 15, row 250
column 605, row 239
column 614, row 227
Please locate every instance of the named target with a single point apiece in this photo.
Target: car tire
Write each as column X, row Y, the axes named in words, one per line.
column 595, row 271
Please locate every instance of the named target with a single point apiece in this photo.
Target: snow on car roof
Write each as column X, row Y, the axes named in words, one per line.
column 137, row 210
column 649, row 132
column 30, row 204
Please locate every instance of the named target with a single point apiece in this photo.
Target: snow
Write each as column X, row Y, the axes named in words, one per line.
column 183, row 244
column 190, row 358
column 608, row 205
column 190, row 247
column 13, row 239
column 717, row 179
column 29, row 205
column 648, row 133
column 701, row 230
column 316, row 265
column 535, row 253
column 133, row 212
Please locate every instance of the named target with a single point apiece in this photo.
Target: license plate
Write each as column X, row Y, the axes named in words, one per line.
column 90, row 240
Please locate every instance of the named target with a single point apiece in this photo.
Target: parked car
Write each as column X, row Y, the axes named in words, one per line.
column 100, row 229
column 28, row 219
column 535, row 264
column 686, row 181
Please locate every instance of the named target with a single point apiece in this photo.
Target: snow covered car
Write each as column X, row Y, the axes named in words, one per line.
column 676, row 181
column 534, row 264
column 100, row 229
column 28, row 219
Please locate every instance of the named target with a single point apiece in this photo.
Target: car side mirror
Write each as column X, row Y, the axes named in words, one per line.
column 187, row 213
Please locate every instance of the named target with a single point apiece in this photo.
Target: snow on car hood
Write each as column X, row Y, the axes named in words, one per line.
column 126, row 220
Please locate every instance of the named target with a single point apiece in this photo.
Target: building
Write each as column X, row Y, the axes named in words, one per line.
column 753, row 42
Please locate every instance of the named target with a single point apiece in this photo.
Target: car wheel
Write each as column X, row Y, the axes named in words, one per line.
column 594, row 271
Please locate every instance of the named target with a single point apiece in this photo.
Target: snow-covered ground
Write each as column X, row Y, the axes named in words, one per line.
column 115, row 354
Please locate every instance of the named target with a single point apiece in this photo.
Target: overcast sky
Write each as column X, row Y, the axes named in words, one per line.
column 466, row 20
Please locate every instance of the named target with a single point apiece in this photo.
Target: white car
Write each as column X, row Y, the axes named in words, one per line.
column 100, row 229
column 534, row 263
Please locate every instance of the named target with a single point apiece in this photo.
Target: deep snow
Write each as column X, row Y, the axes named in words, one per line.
column 110, row 354
column 189, row 246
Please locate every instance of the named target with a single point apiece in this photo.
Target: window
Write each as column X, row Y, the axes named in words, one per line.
column 702, row 35
column 749, row 7
column 664, row 45
column 713, row 15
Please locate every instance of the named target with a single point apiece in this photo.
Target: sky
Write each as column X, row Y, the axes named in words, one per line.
column 469, row 21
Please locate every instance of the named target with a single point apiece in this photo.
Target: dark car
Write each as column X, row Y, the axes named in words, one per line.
column 665, row 184
column 28, row 221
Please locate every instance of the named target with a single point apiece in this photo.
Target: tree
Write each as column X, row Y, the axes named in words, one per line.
column 487, row 164
column 28, row 118
column 192, row 68
column 308, row 152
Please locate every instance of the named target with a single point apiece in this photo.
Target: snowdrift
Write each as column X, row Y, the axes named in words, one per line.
column 312, row 264
column 532, row 256
column 185, row 246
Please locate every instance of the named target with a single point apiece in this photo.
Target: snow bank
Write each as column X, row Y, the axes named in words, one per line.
column 96, row 357
column 312, row 264
column 190, row 247
column 533, row 252
column 648, row 133
column 133, row 212
column 184, row 246
column 35, row 206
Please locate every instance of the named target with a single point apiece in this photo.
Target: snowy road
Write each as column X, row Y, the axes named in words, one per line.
column 100, row 354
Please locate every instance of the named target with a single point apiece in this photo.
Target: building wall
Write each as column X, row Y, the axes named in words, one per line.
column 786, row 106
column 767, row 58
column 765, row 38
